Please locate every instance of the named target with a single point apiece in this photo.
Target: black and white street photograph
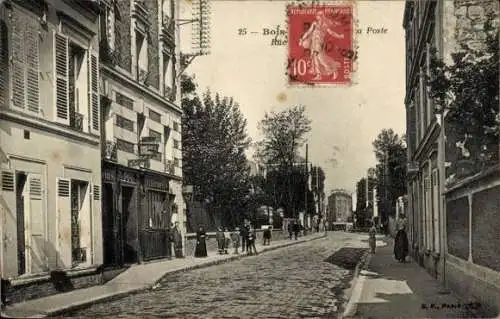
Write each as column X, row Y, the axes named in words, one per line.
column 207, row 159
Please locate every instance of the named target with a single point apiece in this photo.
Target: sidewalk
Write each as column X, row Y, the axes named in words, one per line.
column 135, row 279
column 389, row 289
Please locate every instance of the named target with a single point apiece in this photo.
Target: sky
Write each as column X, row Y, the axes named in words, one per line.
column 345, row 120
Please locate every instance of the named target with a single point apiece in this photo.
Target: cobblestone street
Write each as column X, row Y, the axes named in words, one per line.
column 298, row 281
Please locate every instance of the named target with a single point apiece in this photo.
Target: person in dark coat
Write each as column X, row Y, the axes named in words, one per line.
column 252, row 236
column 244, row 238
column 401, row 241
column 290, row 229
column 267, row 236
column 296, row 229
column 201, row 244
column 177, row 237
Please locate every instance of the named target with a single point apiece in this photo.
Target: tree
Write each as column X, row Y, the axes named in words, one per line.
column 318, row 185
column 214, row 142
column 361, row 213
column 390, row 152
column 284, row 133
column 466, row 91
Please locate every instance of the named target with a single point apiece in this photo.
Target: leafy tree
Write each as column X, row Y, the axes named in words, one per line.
column 284, row 133
column 214, row 143
column 390, row 152
column 466, row 91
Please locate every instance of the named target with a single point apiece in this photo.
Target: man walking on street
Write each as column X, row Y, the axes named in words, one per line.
column 296, row 229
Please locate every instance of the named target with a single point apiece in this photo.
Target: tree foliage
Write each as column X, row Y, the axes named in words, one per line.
column 390, row 152
column 284, row 133
column 467, row 92
column 214, row 142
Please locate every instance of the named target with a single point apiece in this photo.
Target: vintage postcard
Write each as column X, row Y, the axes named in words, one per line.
column 249, row 159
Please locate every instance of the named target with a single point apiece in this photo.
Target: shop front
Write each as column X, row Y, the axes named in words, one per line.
column 157, row 205
column 120, row 203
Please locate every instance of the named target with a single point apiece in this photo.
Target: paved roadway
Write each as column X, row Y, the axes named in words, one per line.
column 300, row 281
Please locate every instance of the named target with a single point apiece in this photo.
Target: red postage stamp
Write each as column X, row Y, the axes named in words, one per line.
column 320, row 44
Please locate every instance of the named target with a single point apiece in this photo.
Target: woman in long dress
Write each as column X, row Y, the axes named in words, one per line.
column 401, row 241
column 314, row 39
column 201, row 245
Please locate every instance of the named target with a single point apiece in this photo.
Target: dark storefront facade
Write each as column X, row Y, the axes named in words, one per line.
column 136, row 215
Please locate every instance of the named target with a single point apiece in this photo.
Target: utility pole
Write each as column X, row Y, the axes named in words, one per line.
column 307, row 181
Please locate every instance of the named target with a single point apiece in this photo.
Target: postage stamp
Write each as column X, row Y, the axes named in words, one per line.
column 320, row 44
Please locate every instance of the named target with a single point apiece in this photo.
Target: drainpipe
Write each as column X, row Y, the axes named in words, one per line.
column 2, row 213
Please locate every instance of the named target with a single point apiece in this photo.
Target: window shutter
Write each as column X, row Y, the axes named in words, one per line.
column 96, row 223
column 62, row 81
column 4, row 64
column 38, row 259
column 94, row 92
column 64, row 222
column 18, row 61
column 32, row 67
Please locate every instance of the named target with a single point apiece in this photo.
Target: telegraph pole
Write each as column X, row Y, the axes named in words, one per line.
column 307, row 182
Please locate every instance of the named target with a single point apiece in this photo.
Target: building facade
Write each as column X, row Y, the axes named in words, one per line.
column 50, row 141
column 339, row 207
column 141, row 137
column 447, row 224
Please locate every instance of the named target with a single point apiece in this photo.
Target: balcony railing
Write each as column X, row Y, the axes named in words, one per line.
column 77, row 122
column 142, row 75
column 169, row 167
column 110, row 150
column 168, row 31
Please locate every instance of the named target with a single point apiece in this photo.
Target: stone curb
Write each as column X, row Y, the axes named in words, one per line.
column 357, row 284
column 100, row 299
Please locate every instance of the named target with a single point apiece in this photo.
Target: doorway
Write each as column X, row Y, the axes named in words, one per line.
column 109, row 227
column 21, row 179
column 129, row 230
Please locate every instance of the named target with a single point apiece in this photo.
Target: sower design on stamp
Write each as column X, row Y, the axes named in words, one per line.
column 320, row 44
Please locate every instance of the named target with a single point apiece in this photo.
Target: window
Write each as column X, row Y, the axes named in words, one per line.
column 142, row 57
column 166, row 12
column 176, row 144
column 25, row 49
column 168, row 76
column 155, row 116
column 157, row 156
column 176, row 126
column 176, row 162
column 155, row 134
column 77, row 82
column 124, row 123
column 124, row 101
column 125, row 146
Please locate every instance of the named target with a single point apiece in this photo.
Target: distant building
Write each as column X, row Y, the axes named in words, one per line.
column 339, row 206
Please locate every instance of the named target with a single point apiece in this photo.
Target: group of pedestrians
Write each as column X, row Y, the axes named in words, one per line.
column 225, row 240
column 294, row 228
column 400, row 242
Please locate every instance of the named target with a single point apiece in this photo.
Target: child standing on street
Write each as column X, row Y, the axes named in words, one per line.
column 372, row 239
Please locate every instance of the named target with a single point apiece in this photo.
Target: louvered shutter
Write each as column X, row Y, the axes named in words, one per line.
column 18, row 61
column 4, row 64
column 94, row 109
column 61, row 71
column 36, row 245
column 64, row 222
column 32, row 43
column 96, row 252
